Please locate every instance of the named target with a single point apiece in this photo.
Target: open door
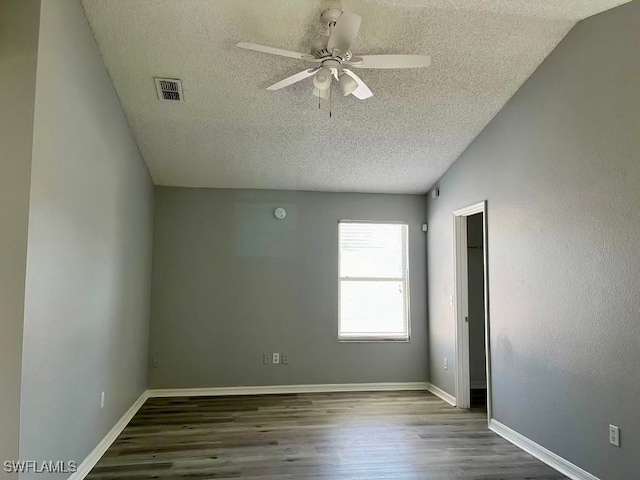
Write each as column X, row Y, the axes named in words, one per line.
column 471, row 307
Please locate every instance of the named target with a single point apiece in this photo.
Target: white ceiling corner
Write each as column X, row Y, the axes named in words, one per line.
column 231, row 133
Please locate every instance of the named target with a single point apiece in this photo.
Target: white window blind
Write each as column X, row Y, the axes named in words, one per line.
column 374, row 281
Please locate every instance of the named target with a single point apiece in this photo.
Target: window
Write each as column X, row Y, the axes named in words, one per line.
column 374, row 281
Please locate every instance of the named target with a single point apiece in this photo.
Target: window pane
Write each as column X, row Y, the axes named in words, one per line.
column 372, row 250
column 372, row 308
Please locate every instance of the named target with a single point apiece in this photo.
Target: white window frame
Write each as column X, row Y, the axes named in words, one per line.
column 405, row 260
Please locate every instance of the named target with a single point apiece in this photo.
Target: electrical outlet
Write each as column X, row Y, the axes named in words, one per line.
column 102, row 400
column 155, row 363
column 614, row 435
column 284, row 358
column 446, row 364
column 275, row 358
column 266, row 359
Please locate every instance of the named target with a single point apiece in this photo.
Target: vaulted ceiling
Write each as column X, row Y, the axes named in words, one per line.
column 232, row 133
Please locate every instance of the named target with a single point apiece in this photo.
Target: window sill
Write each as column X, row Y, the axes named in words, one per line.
column 374, row 340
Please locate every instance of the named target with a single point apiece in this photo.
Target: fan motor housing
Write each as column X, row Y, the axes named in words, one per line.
column 331, row 63
column 326, row 55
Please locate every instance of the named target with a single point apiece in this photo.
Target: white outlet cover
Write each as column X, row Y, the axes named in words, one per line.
column 614, row 435
column 276, row 358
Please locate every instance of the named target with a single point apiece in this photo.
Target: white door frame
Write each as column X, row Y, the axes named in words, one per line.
column 461, row 304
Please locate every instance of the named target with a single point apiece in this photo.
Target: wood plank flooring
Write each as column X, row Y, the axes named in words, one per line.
column 363, row 435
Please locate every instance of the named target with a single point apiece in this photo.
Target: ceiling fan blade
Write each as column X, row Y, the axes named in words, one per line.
column 344, row 33
column 362, row 92
column 390, row 61
column 293, row 79
column 275, row 51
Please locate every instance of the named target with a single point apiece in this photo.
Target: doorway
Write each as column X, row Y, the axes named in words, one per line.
column 471, row 307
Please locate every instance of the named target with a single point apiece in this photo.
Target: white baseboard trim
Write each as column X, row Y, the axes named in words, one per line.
column 88, row 463
column 438, row 392
column 276, row 389
column 532, row 448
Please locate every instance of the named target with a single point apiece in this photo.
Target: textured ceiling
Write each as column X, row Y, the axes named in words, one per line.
column 232, row 133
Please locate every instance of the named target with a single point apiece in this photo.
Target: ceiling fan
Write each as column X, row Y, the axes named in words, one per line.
column 333, row 58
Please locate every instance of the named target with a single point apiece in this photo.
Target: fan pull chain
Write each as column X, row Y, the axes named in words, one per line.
column 330, row 98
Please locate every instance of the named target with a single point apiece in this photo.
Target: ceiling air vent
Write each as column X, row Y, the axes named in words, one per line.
column 169, row 89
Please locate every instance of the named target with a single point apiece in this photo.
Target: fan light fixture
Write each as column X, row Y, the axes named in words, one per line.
column 323, row 94
column 347, row 84
column 322, row 79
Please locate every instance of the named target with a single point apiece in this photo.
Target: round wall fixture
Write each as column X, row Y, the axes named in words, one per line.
column 280, row 213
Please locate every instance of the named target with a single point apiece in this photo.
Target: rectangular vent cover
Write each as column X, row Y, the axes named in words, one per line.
column 169, row 89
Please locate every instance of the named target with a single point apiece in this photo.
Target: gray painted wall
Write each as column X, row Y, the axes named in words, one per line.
column 19, row 21
column 475, row 269
column 560, row 168
column 231, row 282
column 89, row 250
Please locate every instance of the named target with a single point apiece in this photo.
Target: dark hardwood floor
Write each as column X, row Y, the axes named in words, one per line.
column 377, row 435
